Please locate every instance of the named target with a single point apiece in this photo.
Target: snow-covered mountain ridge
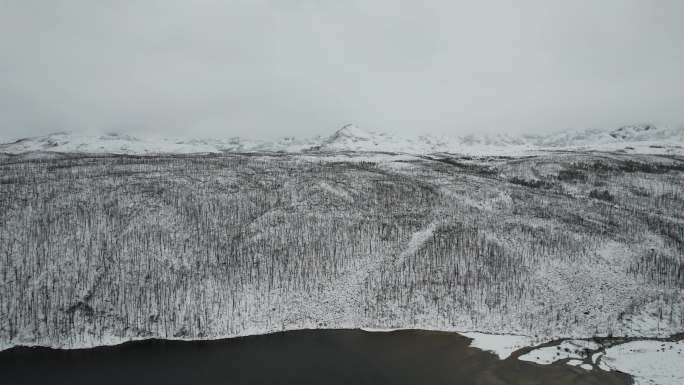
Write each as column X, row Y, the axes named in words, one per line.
column 635, row 138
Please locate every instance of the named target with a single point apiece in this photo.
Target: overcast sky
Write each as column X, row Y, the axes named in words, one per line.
column 305, row 67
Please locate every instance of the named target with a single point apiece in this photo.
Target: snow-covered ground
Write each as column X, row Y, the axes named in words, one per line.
column 521, row 250
column 575, row 350
column 503, row 345
column 650, row 362
column 631, row 139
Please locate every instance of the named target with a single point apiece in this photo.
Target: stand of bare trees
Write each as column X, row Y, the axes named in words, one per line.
column 95, row 247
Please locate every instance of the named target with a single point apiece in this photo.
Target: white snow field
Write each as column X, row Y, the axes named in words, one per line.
column 632, row 139
column 650, row 362
column 503, row 345
column 515, row 242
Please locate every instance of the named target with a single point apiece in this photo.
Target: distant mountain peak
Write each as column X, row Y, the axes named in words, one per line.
column 349, row 138
column 630, row 131
column 350, row 131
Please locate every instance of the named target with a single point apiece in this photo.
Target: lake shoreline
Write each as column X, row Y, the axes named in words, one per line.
column 351, row 353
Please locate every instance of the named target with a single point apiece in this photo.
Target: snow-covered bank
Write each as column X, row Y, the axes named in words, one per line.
column 650, row 362
column 566, row 349
column 503, row 345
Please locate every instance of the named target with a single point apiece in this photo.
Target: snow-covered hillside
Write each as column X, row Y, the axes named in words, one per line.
column 112, row 248
column 105, row 249
column 633, row 139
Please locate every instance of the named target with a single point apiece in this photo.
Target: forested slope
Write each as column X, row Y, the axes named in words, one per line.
column 97, row 249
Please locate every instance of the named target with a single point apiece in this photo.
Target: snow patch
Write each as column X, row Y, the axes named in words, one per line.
column 336, row 191
column 568, row 349
column 378, row 330
column 649, row 362
column 503, row 345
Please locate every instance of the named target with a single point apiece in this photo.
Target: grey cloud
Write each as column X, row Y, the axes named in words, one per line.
column 269, row 68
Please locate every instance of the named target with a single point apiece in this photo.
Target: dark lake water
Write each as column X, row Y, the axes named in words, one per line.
column 319, row 357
